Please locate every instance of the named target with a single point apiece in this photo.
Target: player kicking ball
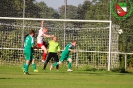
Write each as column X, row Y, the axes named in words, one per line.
column 65, row 56
column 40, row 43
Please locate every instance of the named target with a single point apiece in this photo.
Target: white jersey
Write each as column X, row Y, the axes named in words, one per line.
column 40, row 36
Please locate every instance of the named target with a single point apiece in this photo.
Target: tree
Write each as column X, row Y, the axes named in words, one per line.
column 43, row 7
column 71, row 11
column 47, row 12
column 14, row 8
column 99, row 11
column 31, row 9
column 8, row 8
column 82, row 9
column 51, row 13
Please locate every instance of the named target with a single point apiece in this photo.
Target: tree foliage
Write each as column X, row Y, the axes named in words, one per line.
column 71, row 11
column 47, row 12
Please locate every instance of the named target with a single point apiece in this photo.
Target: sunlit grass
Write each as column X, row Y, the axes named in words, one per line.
column 13, row 77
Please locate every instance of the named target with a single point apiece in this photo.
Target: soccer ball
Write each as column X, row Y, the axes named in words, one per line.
column 120, row 31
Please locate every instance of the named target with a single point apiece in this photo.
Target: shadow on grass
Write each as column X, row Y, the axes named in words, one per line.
column 6, row 78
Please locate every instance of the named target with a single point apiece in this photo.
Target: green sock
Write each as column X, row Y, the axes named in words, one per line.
column 34, row 66
column 26, row 67
column 55, row 64
column 69, row 65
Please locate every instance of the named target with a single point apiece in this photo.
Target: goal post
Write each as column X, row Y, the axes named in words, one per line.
column 94, row 37
column 110, row 41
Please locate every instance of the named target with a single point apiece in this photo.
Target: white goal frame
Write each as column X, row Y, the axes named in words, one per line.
column 70, row 20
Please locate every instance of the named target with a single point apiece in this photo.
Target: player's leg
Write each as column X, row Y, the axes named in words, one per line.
column 56, row 60
column 44, row 53
column 55, row 64
column 23, row 67
column 27, row 57
column 69, row 64
column 25, row 64
column 50, row 55
column 33, row 64
column 58, row 63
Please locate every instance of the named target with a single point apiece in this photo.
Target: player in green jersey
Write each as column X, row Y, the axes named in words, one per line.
column 65, row 55
column 28, row 52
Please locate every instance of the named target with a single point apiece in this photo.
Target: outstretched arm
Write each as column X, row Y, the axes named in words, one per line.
column 72, row 50
column 48, row 36
column 42, row 23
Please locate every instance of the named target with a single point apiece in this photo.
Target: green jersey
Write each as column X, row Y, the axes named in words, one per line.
column 54, row 47
column 28, row 43
column 66, row 50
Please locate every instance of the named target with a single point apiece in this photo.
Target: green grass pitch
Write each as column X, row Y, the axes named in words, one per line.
column 13, row 77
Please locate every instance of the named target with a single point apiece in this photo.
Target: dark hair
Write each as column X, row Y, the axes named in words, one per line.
column 32, row 32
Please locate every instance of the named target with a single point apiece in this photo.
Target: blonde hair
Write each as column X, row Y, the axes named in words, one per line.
column 45, row 28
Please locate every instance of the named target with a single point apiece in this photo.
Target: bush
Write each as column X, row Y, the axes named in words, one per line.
column 121, row 70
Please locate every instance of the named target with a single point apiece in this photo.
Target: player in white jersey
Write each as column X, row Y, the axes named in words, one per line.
column 40, row 42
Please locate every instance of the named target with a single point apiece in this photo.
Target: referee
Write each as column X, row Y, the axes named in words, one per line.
column 53, row 50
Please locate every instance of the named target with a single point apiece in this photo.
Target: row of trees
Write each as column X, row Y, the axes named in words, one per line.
column 14, row 8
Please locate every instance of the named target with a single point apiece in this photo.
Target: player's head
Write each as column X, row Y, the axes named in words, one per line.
column 32, row 33
column 45, row 30
column 74, row 42
column 55, row 38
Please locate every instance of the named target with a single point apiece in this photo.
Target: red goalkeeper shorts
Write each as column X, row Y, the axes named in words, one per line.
column 39, row 45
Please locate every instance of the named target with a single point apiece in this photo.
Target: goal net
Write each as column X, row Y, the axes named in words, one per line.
column 96, row 40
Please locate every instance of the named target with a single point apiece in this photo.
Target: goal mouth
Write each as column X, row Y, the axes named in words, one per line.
column 93, row 36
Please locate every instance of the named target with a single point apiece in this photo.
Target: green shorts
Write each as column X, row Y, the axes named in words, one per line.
column 28, row 55
column 64, row 57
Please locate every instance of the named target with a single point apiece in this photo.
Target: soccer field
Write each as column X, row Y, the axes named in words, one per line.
column 13, row 77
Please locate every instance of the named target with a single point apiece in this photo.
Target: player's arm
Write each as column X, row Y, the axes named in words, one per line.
column 58, row 49
column 48, row 36
column 71, row 50
column 42, row 23
column 33, row 44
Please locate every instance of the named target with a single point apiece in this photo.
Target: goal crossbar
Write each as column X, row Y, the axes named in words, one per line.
column 65, row 20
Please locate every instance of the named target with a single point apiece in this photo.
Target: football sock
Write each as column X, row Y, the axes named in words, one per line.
column 34, row 66
column 55, row 64
column 44, row 56
column 26, row 67
column 57, row 67
column 69, row 65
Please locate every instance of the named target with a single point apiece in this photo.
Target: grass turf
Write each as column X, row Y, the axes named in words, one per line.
column 13, row 77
